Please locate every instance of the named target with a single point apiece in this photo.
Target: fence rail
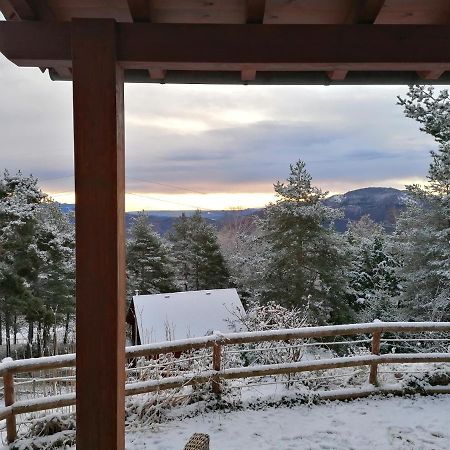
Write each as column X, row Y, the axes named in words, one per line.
column 218, row 342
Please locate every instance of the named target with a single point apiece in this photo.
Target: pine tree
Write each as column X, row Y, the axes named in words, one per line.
column 55, row 284
column 373, row 281
column 149, row 265
column 19, row 200
column 200, row 263
column 305, row 259
column 244, row 247
column 37, row 260
column 180, row 237
column 431, row 110
column 423, row 230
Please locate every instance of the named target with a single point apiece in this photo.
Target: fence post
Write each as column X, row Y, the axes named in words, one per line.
column 376, row 338
column 10, row 398
column 217, row 357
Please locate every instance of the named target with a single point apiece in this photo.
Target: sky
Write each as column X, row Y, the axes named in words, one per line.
column 218, row 147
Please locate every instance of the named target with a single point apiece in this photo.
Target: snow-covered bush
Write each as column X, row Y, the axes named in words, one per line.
column 264, row 317
column 48, row 431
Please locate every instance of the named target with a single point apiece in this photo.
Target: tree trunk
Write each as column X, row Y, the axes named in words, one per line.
column 55, row 340
column 197, row 281
column 1, row 331
column 30, row 338
column 45, row 338
column 7, row 334
column 39, row 342
column 66, row 329
column 15, row 329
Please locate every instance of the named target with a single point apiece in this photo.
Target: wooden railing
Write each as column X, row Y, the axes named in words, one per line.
column 217, row 342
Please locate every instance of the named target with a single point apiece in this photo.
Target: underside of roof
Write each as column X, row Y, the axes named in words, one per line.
column 395, row 16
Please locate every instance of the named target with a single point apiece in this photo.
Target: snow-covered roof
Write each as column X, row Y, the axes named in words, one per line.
column 179, row 315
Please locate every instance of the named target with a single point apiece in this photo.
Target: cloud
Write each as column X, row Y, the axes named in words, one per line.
column 220, row 138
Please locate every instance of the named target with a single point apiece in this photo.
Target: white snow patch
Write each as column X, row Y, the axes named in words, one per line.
column 180, row 315
column 377, row 423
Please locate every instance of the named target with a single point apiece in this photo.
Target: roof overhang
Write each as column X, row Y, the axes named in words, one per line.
column 249, row 54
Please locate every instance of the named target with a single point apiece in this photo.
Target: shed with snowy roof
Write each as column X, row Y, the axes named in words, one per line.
column 180, row 315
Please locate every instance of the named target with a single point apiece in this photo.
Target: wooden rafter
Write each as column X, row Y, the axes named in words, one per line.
column 38, row 10
column 140, row 10
column 22, row 9
column 255, row 11
column 337, row 74
column 157, row 74
column 42, row 10
column 364, row 11
column 361, row 12
column 430, row 74
column 248, row 74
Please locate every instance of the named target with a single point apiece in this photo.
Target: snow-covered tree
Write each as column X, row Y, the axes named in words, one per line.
column 36, row 259
column 306, row 262
column 423, row 230
column 431, row 110
column 54, row 286
column 19, row 199
column 199, row 261
column 149, row 264
column 243, row 245
column 373, row 282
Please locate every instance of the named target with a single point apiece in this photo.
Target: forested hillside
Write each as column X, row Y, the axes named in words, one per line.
column 300, row 253
column 382, row 205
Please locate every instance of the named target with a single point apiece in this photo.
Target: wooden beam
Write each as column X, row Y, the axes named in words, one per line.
column 140, row 10
column 255, row 11
column 38, row 10
column 304, row 47
column 36, row 44
column 430, row 74
column 100, row 237
column 63, row 73
column 157, row 74
column 337, row 74
column 248, row 74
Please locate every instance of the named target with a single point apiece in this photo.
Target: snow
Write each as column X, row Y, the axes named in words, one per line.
column 282, row 334
column 179, row 315
column 377, row 423
column 22, row 365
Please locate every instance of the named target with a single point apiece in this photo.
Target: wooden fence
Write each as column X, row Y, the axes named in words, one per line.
column 217, row 342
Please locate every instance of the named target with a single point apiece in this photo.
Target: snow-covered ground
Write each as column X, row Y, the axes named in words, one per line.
column 377, row 423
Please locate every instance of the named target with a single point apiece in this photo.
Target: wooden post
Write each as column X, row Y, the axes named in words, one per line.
column 98, row 111
column 217, row 357
column 10, row 398
column 373, row 378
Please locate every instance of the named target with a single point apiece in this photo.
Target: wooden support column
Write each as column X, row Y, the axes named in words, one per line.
column 100, row 258
column 376, row 341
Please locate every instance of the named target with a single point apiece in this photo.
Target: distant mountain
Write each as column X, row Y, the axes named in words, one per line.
column 164, row 220
column 67, row 208
column 383, row 205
